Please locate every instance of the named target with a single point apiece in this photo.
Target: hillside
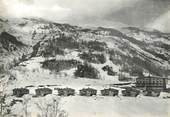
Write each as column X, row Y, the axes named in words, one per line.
column 129, row 51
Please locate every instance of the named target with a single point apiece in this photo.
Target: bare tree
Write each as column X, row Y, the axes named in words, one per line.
column 26, row 99
column 3, row 106
column 51, row 109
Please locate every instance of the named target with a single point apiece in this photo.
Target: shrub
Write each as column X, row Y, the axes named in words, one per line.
column 66, row 42
column 56, row 46
column 94, row 58
column 109, row 70
column 86, row 70
column 58, row 65
column 148, row 65
column 95, row 45
column 52, row 51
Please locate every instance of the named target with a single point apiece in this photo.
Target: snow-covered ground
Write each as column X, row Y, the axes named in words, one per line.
column 99, row 106
column 31, row 73
column 116, row 107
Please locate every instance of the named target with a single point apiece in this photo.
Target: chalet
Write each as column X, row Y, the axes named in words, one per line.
column 153, row 93
column 151, row 83
column 88, row 92
column 109, row 92
column 66, row 91
column 43, row 91
column 130, row 92
column 19, row 92
column 167, row 90
column 14, row 101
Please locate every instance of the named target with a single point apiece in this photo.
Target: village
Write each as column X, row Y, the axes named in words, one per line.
column 146, row 86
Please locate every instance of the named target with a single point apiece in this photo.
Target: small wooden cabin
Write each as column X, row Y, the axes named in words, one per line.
column 14, row 101
column 66, row 91
column 43, row 91
column 130, row 92
column 109, row 92
column 19, row 92
column 88, row 92
column 153, row 93
column 167, row 90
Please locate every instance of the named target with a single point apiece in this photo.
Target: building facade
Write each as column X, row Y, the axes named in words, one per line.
column 43, row 91
column 131, row 92
column 151, row 83
column 66, row 92
column 19, row 92
column 88, row 92
column 109, row 92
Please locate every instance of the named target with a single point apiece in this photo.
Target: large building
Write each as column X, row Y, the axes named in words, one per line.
column 151, row 83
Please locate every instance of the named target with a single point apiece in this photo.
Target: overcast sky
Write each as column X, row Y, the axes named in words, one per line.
column 112, row 13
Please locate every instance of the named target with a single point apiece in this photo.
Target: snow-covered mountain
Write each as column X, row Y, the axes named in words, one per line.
column 126, row 52
column 36, row 53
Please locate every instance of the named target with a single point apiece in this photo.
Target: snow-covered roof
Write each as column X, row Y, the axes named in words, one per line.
column 152, row 77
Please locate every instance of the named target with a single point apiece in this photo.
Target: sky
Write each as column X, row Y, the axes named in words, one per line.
column 109, row 13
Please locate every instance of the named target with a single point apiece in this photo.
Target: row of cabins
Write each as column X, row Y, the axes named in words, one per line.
column 19, row 92
column 150, row 86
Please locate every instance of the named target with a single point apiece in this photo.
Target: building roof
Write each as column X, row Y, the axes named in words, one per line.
column 87, row 89
column 152, row 77
column 110, row 89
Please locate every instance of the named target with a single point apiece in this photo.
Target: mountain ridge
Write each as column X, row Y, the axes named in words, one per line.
column 127, row 48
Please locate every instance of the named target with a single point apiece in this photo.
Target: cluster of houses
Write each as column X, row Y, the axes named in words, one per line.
column 148, row 86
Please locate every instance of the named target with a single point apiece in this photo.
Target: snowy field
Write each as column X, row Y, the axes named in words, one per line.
column 98, row 106
column 116, row 107
column 31, row 73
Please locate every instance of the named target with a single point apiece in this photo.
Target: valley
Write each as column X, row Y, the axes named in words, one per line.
column 36, row 53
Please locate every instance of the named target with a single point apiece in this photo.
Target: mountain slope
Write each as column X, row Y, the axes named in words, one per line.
column 128, row 52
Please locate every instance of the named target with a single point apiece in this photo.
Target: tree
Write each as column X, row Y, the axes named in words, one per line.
column 50, row 108
column 3, row 106
column 26, row 99
column 86, row 70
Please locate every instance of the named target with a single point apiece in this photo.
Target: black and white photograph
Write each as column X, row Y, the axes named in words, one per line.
column 84, row 58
